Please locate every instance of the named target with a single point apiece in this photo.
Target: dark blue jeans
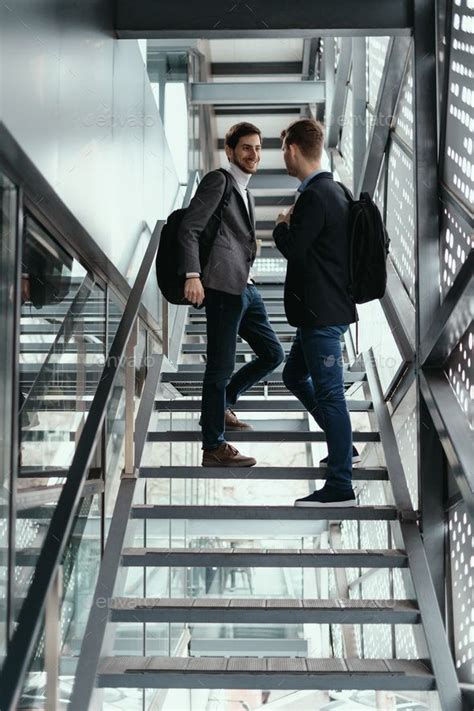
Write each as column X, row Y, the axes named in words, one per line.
column 314, row 374
column 228, row 316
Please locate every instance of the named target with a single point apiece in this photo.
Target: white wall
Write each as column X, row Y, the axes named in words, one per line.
column 80, row 105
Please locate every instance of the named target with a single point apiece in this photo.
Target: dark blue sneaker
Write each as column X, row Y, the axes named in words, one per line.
column 328, row 497
column 355, row 458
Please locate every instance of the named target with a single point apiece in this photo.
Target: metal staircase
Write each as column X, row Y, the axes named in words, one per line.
column 180, row 390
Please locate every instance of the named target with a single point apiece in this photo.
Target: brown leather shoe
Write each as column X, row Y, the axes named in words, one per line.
column 226, row 456
column 232, row 422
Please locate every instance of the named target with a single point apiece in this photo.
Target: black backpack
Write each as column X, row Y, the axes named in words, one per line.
column 368, row 249
column 171, row 283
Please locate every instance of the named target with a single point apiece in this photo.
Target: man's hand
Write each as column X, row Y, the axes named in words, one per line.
column 194, row 291
column 285, row 216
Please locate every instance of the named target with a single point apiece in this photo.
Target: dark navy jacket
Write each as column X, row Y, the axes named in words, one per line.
column 316, row 247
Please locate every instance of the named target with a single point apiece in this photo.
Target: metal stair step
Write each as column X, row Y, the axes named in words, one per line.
column 263, row 558
column 277, row 513
column 264, row 611
column 267, row 673
column 74, row 348
column 270, row 405
column 255, row 436
column 35, row 473
column 195, row 376
column 273, row 309
column 241, row 348
column 199, row 329
column 258, row 473
column 296, row 424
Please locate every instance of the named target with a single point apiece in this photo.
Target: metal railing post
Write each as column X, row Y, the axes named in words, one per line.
column 166, row 328
column 129, row 466
column 52, row 641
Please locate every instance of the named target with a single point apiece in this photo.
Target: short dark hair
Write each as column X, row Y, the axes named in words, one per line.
column 235, row 133
column 308, row 135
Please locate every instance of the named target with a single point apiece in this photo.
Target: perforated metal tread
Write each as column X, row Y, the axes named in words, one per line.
column 279, row 435
column 253, row 673
column 264, row 558
column 263, row 611
column 259, row 513
column 271, row 405
column 257, row 473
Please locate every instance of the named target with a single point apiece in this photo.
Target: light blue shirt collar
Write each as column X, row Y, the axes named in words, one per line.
column 308, row 178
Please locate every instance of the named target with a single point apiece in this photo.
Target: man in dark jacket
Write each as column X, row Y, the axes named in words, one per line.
column 313, row 238
column 233, row 304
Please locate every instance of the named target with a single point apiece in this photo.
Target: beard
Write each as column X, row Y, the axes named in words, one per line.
column 243, row 167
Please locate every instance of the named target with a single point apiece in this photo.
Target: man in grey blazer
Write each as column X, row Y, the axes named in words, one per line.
column 232, row 302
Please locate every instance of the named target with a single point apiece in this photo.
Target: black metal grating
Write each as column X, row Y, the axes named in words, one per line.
column 460, row 370
column 456, row 241
column 461, row 551
column 376, row 53
column 404, row 119
column 458, row 168
column 401, row 215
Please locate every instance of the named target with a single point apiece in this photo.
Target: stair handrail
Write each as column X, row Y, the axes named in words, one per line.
column 23, row 642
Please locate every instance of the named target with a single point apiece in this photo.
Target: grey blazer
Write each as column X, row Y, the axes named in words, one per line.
column 234, row 249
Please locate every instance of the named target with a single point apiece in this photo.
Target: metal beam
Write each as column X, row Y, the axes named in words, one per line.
column 267, row 18
column 395, row 63
column 359, row 103
column 453, row 430
column 340, row 89
column 219, row 69
column 310, row 56
column 452, row 319
column 288, row 92
column 400, row 313
column 435, row 633
column 257, row 110
column 432, row 490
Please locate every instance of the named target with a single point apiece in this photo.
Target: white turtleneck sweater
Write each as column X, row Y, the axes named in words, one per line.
column 242, row 180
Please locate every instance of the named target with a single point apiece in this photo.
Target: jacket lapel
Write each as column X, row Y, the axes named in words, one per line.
column 252, row 211
column 249, row 217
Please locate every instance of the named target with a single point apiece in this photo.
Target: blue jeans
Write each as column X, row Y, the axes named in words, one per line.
column 314, row 374
column 227, row 317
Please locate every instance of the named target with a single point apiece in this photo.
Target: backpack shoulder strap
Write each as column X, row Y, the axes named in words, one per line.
column 228, row 188
column 347, row 192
